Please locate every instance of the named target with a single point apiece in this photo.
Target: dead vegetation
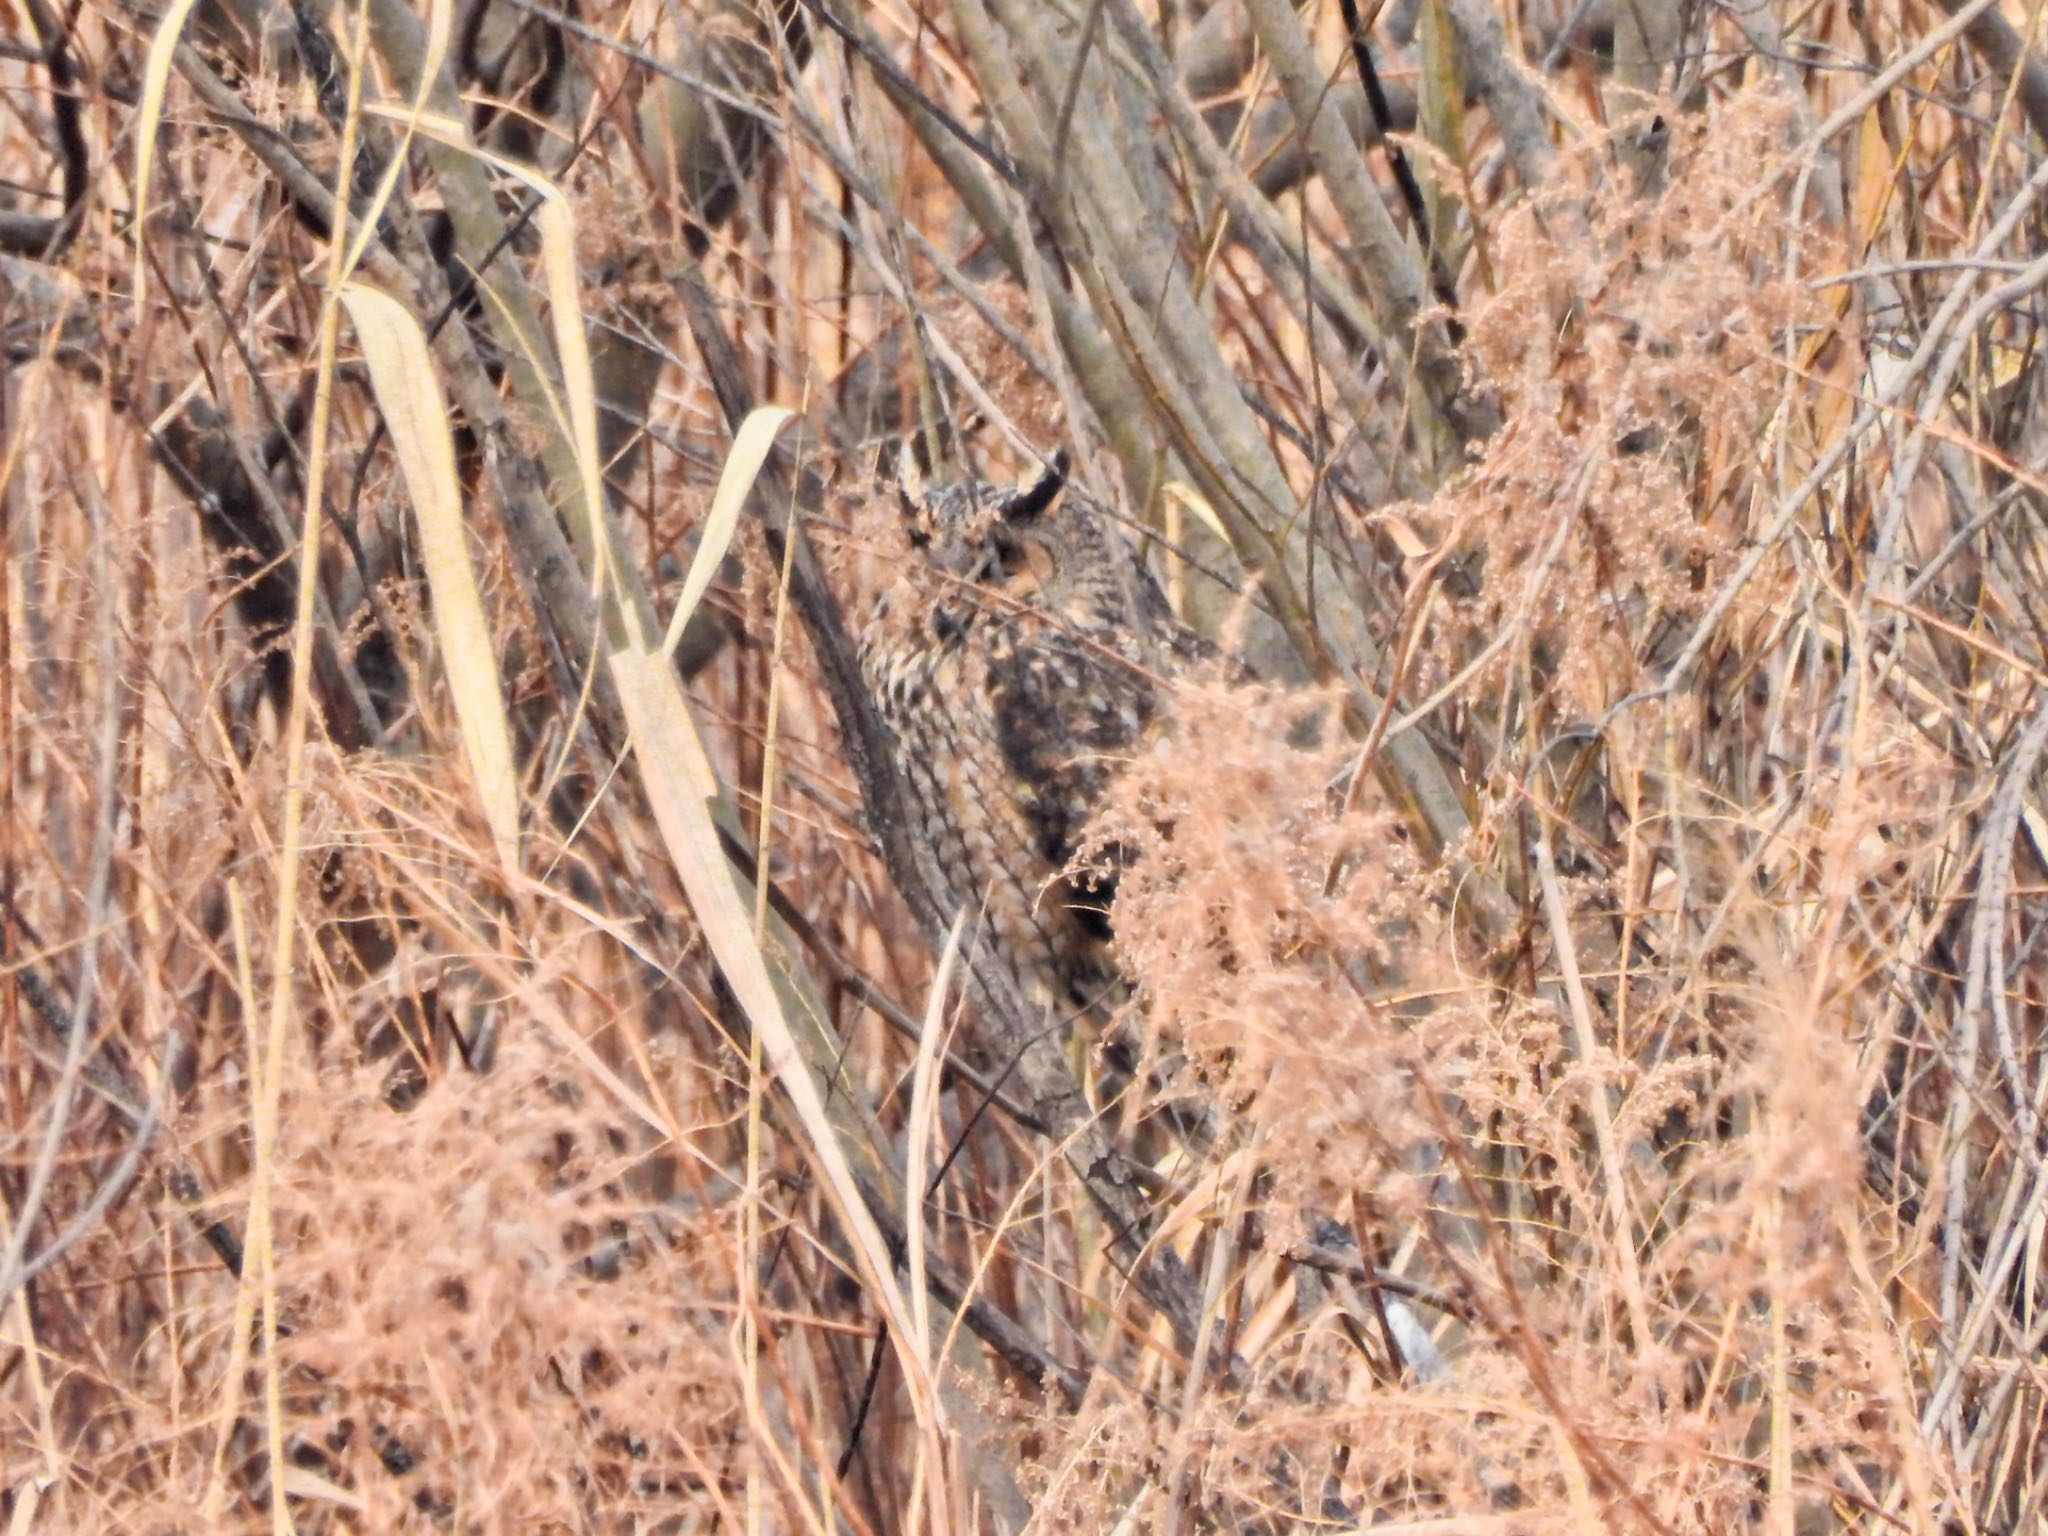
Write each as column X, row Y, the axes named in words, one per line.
column 470, row 1068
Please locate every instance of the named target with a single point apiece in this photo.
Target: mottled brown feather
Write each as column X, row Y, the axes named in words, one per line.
column 1017, row 657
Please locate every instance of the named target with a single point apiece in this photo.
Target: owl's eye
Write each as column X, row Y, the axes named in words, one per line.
column 1026, row 563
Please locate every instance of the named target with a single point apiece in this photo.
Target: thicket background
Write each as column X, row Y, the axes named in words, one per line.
column 1591, row 978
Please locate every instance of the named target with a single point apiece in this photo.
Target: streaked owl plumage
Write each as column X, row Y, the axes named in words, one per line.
column 1017, row 658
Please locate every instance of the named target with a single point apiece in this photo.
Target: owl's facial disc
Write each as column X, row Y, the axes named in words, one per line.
column 983, row 534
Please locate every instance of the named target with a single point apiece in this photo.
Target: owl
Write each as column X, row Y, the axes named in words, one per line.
column 1017, row 656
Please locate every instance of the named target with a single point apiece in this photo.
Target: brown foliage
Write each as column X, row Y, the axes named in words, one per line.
column 1583, row 981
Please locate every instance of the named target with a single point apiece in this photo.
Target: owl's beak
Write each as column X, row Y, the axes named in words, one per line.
column 1029, row 500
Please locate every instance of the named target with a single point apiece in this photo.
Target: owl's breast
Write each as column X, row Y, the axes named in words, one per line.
column 914, row 656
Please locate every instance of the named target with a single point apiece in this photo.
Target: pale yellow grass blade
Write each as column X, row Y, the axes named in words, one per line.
column 440, row 21
column 556, row 223
column 37, row 1382
column 156, row 78
column 673, row 768
column 24, row 1518
column 1179, row 494
column 303, row 1484
column 924, row 1114
column 1578, row 1486
column 402, row 373
column 750, row 447
column 256, row 1237
column 1779, row 1501
column 1205, row 514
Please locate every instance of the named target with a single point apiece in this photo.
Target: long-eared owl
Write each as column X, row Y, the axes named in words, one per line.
column 1017, row 656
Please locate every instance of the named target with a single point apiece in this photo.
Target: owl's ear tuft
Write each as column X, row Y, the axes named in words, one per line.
column 909, row 478
column 1034, row 496
column 910, row 497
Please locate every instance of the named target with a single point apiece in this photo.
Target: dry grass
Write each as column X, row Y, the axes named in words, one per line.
column 1587, row 1035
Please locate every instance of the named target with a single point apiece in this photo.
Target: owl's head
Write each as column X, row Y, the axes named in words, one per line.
column 1015, row 537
